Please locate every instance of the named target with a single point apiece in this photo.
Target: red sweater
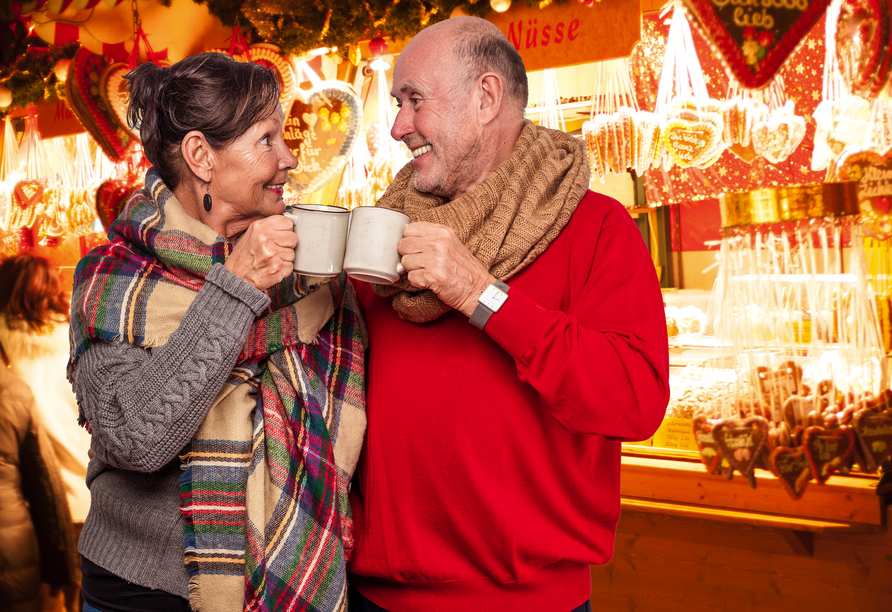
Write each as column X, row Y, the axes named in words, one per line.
column 490, row 475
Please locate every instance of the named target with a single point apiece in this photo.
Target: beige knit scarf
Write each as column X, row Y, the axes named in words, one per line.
column 507, row 221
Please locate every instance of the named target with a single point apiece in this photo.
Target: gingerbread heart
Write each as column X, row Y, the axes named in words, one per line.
column 741, row 441
column 113, row 89
column 776, row 138
column 862, row 38
column 690, row 143
column 791, row 467
column 269, row 56
column 874, row 433
column 873, row 171
column 111, row 197
column 27, row 193
column 709, row 450
column 83, row 89
column 756, row 38
column 321, row 129
column 827, row 451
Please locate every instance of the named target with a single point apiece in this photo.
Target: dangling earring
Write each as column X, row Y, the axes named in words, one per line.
column 207, row 198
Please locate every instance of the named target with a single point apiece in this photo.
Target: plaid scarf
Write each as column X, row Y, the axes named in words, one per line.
column 267, row 522
column 506, row 221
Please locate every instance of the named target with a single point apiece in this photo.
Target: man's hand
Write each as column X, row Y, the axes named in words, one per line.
column 436, row 260
column 264, row 254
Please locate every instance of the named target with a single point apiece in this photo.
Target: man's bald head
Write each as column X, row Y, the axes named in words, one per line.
column 479, row 47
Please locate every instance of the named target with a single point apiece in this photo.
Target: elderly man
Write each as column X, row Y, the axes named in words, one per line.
column 490, row 476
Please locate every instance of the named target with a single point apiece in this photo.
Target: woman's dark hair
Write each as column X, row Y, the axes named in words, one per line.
column 209, row 92
column 31, row 292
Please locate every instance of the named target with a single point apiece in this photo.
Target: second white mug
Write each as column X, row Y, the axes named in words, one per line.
column 371, row 245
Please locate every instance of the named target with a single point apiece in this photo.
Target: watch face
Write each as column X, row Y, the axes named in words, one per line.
column 493, row 298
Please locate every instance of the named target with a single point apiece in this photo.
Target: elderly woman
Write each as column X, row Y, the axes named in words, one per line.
column 224, row 393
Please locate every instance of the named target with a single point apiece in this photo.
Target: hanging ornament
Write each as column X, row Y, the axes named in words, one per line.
column 692, row 122
column 91, row 109
column 862, row 45
column 5, row 96
column 378, row 46
column 777, row 136
column 321, row 128
column 500, row 6
column 61, row 69
column 756, row 38
column 618, row 136
column 842, row 120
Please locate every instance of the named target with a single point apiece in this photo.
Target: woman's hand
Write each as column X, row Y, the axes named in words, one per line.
column 264, row 254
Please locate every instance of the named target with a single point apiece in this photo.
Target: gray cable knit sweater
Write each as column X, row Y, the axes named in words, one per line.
column 144, row 407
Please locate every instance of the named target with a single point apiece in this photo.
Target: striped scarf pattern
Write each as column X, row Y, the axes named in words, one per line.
column 267, row 522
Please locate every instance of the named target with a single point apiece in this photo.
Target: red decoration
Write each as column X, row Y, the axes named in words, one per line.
column 862, row 44
column 238, row 44
column 111, row 197
column 28, row 193
column 151, row 56
column 378, row 46
column 827, row 451
column 756, row 39
column 86, row 102
column 802, row 76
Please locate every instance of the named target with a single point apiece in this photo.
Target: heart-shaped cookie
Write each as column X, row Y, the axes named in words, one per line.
column 873, row 171
column 690, row 143
column 269, row 56
column 874, row 433
column 111, row 197
column 27, row 193
column 862, row 38
column 113, row 89
column 791, row 467
column 755, row 38
column 776, row 138
column 827, row 451
column 84, row 90
column 709, row 450
column 741, row 442
column 321, row 129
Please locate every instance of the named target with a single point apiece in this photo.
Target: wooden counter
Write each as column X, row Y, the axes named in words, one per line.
column 691, row 541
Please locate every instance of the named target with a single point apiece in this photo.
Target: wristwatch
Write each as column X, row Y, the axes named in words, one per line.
column 489, row 302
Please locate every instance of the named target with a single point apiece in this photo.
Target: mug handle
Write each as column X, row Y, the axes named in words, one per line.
column 399, row 268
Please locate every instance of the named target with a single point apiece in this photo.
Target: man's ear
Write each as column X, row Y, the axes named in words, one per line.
column 198, row 155
column 491, row 91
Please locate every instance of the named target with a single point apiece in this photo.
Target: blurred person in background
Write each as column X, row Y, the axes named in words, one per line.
column 37, row 542
column 34, row 340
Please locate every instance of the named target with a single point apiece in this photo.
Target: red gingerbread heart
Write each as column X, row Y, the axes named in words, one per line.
column 827, row 451
column 111, row 197
column 741, row 442
column 83, row 87
column 709, row 450
column 755, row 38
column 874, row 433
column 791, row 467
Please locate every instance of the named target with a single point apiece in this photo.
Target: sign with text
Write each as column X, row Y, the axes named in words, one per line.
column 755, row 37
column 571, row 33
column 54, row 118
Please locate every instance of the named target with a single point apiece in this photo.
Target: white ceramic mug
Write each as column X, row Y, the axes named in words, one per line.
column 321, row 238
column 371, row 246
